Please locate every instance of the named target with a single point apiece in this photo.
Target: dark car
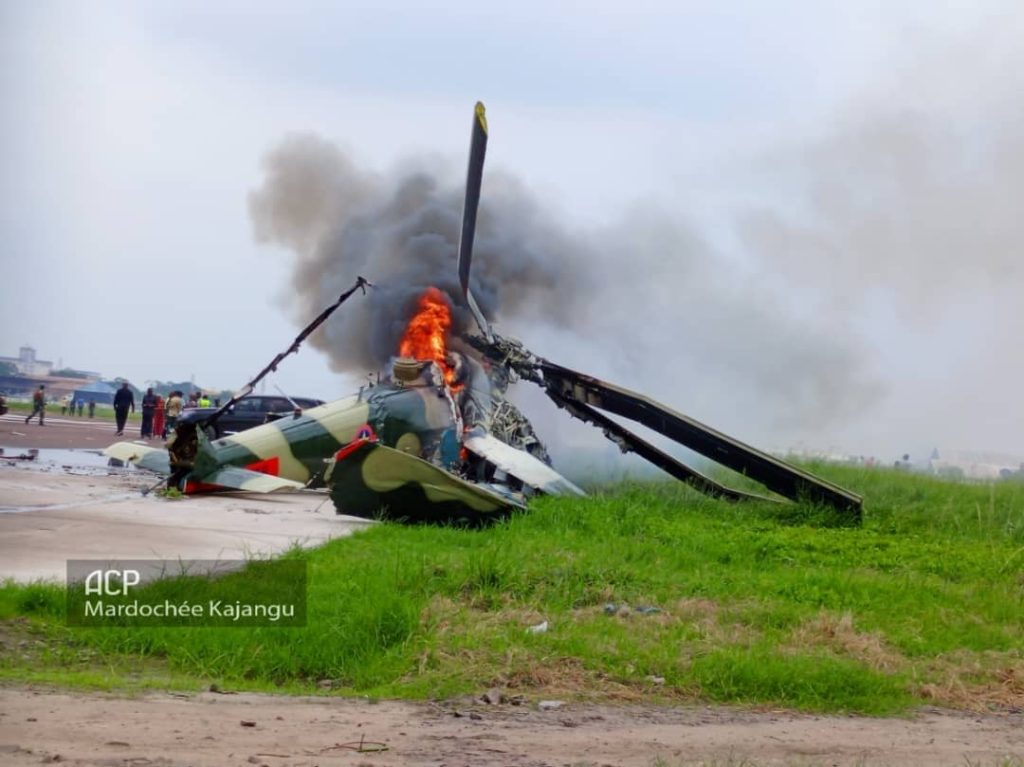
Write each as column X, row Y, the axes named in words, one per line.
column 249, row 411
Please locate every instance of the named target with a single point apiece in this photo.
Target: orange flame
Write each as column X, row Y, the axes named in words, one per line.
column 426, row 335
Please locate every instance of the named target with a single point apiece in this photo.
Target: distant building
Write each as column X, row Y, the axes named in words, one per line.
column 88, row 375
column 27, row 364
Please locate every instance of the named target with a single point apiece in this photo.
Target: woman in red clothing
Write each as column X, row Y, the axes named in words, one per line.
column 158, row 418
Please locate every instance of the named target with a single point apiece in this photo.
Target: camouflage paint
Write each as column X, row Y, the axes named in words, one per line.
column 376, row 481
column 300, row 444
column 417, row 420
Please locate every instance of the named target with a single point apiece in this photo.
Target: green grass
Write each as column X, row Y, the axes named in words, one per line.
column 758, row 604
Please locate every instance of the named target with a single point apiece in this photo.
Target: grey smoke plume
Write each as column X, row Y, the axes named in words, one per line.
column 901, row 200
column 645, row 300
column 915, row 185
column 903, row 219
column 401, row 232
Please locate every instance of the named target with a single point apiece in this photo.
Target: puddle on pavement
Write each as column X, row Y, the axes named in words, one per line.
column 83, row 463
column 86, row 462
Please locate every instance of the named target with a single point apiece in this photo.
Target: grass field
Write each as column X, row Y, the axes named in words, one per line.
column 758, row 604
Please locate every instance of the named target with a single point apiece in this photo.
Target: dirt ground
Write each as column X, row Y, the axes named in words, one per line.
column 216, row 729
column 53, row 511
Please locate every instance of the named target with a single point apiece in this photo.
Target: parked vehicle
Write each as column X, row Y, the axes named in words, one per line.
column 254, row 410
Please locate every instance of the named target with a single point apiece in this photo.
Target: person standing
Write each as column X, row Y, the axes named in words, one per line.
column 173, row 412
column 64, row 405
column 148, row 406
column 123, row 401
column 158, row 417
column 38, row 404
column 92, row 408
column 81, row 407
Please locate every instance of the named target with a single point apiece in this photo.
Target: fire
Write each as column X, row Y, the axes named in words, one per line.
column 425, row 336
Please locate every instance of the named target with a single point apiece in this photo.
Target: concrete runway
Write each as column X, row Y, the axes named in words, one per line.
column 68, row 505
column 63, row 432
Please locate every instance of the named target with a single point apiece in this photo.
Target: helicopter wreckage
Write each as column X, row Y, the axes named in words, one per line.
column 437, row 439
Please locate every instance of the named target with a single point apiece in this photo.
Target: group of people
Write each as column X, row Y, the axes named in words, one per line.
column 159, row 416
column 68, row 405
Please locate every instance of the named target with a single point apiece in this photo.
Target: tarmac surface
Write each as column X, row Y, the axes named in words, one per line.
column 63, row 431
column 68, row 504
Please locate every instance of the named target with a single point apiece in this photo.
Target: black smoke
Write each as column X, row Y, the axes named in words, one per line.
column 401, row 232
column 644, row 299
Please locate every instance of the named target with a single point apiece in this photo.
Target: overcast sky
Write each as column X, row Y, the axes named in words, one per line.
column 855, row 168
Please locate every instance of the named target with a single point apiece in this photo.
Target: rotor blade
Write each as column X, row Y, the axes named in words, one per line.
column 481, row 321
column 565, row 385
column 474, row 178
column 284, row 394
column 360, row 284
column 629, row 442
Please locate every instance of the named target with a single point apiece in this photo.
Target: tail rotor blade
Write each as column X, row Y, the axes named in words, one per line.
column 474, row 177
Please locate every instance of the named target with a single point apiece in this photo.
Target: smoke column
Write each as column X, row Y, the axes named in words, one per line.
column 902, row 218
column 644, row 300
column 401, row 232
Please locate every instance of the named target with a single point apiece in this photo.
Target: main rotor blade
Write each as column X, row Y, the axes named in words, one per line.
column 580, row 394
column 360, row 284
column 568, row 386
column 474, row 178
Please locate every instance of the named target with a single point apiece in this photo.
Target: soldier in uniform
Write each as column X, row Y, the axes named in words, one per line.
column 38, row 404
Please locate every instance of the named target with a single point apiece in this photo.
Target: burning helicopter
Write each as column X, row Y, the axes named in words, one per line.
column 436, row 438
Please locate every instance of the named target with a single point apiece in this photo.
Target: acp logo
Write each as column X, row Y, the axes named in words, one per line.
column 111, row 583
